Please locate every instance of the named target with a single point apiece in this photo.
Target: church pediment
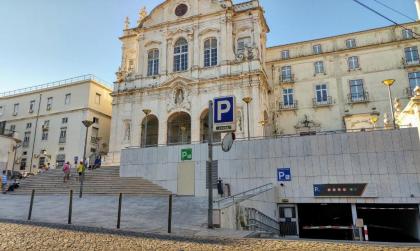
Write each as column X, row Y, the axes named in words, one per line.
column 176, row 81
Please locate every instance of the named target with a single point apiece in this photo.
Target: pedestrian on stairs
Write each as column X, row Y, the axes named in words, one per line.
column 4, row 182
column 81, row 169
column 66, row 170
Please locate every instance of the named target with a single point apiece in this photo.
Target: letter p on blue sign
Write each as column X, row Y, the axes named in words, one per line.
column 224, row 119
column 284, row 174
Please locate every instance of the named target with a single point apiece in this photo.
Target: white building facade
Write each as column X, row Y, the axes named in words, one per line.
column 48, row 119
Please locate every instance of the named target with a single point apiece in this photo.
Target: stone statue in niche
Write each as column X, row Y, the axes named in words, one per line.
column 179, row 96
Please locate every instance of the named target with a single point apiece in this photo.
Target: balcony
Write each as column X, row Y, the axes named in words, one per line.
column 287, row 79
column 410, row 63
column 62, row 140
column 322, row 103
column 361, row 97
column 289, row 106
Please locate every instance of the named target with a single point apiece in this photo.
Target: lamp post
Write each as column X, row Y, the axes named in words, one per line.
column 147, row 112
column 247, row 100
column 87, row 124
column 389, row 83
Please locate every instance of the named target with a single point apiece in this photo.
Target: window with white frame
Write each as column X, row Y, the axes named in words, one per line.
column 321, row 93
column 285, row 54
column 63, row 135
column 64, row 120
column 317, row 49
column 28, row 125
column 97, row 98
column 319, row 67
column 49, row 103
column 210, row 52
column 26, row 139
column 357, row 91
column 288, row 97
column 286, row 73
column 15, row 109
column 353, row 63
column 67, row 99
column 407, row 33
column 95, row 120
column 243, row 43
column 181, row 55
column 351, row 43
column 44, row 135
column 31, row 106
column 411, row 54
column 414, row 79
column 153, row 62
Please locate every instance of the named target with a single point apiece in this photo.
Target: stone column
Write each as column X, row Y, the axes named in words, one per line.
column 163, row 131
column 169, row 56
column 141, row 55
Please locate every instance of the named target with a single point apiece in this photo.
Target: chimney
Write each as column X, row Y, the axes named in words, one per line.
column 417, row 2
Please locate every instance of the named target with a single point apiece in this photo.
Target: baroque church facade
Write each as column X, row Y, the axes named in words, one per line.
column 186, row 52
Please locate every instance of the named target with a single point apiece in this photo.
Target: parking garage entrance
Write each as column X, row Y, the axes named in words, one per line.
column 325, row 221
column 391, row 222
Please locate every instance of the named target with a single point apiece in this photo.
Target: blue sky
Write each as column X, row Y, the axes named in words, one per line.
column 47, row 40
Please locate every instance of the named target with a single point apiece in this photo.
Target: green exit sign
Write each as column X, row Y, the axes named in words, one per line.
column 186, row 154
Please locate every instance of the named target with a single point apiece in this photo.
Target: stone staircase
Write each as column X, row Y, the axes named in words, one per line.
column 102, row 181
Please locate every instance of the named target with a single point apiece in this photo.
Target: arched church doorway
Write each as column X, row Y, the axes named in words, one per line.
column 204, row 127
column 179, row 129
column 150, row 139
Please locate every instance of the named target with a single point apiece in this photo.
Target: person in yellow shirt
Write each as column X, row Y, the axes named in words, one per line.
column 81, row 169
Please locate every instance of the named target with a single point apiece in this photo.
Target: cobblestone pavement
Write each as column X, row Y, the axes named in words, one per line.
column 15, row 236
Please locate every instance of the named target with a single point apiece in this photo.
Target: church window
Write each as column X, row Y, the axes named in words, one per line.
column 153, row 62
column 210, row 52
column 181, row 55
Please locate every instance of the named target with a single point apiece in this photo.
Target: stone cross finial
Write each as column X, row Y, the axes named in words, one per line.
column 417, row 92
column 127, row 23
column 142, row 14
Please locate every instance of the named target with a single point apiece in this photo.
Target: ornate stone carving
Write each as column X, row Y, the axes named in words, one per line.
column 307, row 125
column 397, row 105
column 417, row 92
column 142, row 15
column 127, row 23
column 178, row 98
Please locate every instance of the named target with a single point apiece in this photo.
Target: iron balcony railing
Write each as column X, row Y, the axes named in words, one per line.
column 410, row 62
column 287, row 79
column 323, row 102
column 360, row 97
column 258, row 221
column 288, row 106
column 62, row 140
column 25, row 143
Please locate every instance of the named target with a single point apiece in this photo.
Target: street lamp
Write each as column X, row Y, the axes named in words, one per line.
column 389, row 83
column 247, row 100
column 147, row 112
column 87, row 124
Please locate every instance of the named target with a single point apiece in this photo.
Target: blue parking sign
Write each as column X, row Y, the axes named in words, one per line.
column 224, row 119
column 284, row 174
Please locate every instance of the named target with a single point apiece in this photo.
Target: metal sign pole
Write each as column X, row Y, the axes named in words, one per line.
column 210, row 163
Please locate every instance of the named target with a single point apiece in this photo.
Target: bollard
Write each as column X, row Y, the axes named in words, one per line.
column 119, row 211
column 365, row 231
column 70, row 206
column 170, row 214
column 31, row 205
column 82, row 177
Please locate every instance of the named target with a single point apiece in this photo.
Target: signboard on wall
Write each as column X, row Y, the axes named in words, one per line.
column 284, row 174
column 224, row 119
column 186, row 154
column 339, row 190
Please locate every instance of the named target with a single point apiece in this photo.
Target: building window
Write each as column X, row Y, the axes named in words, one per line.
column 357, row 91
column 181, row 55
column 317, row 49
column 64, row 120
column 25, row 153
column 28, row 125
column 49, row 103
column 414, row 80
column 407, row 34
column 12, row 128
column 63, row 135
column 286, row 73
column 351, row 43
column 23, row 164
column 67, row 99
column 97, row 98
column 321, row 93
column 41, row 162
column 44, row 135
column 353, row 63
column 1, row 110
column 285, row 54
column 288, row 97
column 153, row 62
column 243, row 43
column 61, row 149
column 46, row 125
column 95, row 120
column 26, row 139
column 319, row 67
column 31, row 106
column 210, row 52
column 411, row 54
column 93, row 150
column 94, row 135
column 15, row 109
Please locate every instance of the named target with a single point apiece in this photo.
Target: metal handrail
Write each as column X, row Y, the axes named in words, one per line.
column 63, row 82
column 243, row 195
column 260, row 221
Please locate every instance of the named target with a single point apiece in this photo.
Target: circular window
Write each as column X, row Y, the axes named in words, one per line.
column 181, row 10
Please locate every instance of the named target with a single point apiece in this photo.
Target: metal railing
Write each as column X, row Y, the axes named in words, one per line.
column 63, row 82
column 361, row 97
column 62, row 140
column 258, row 221
column 287, row 78
column 288, row 106
column 410, row 63
column 225, row 202
column 320, row 103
